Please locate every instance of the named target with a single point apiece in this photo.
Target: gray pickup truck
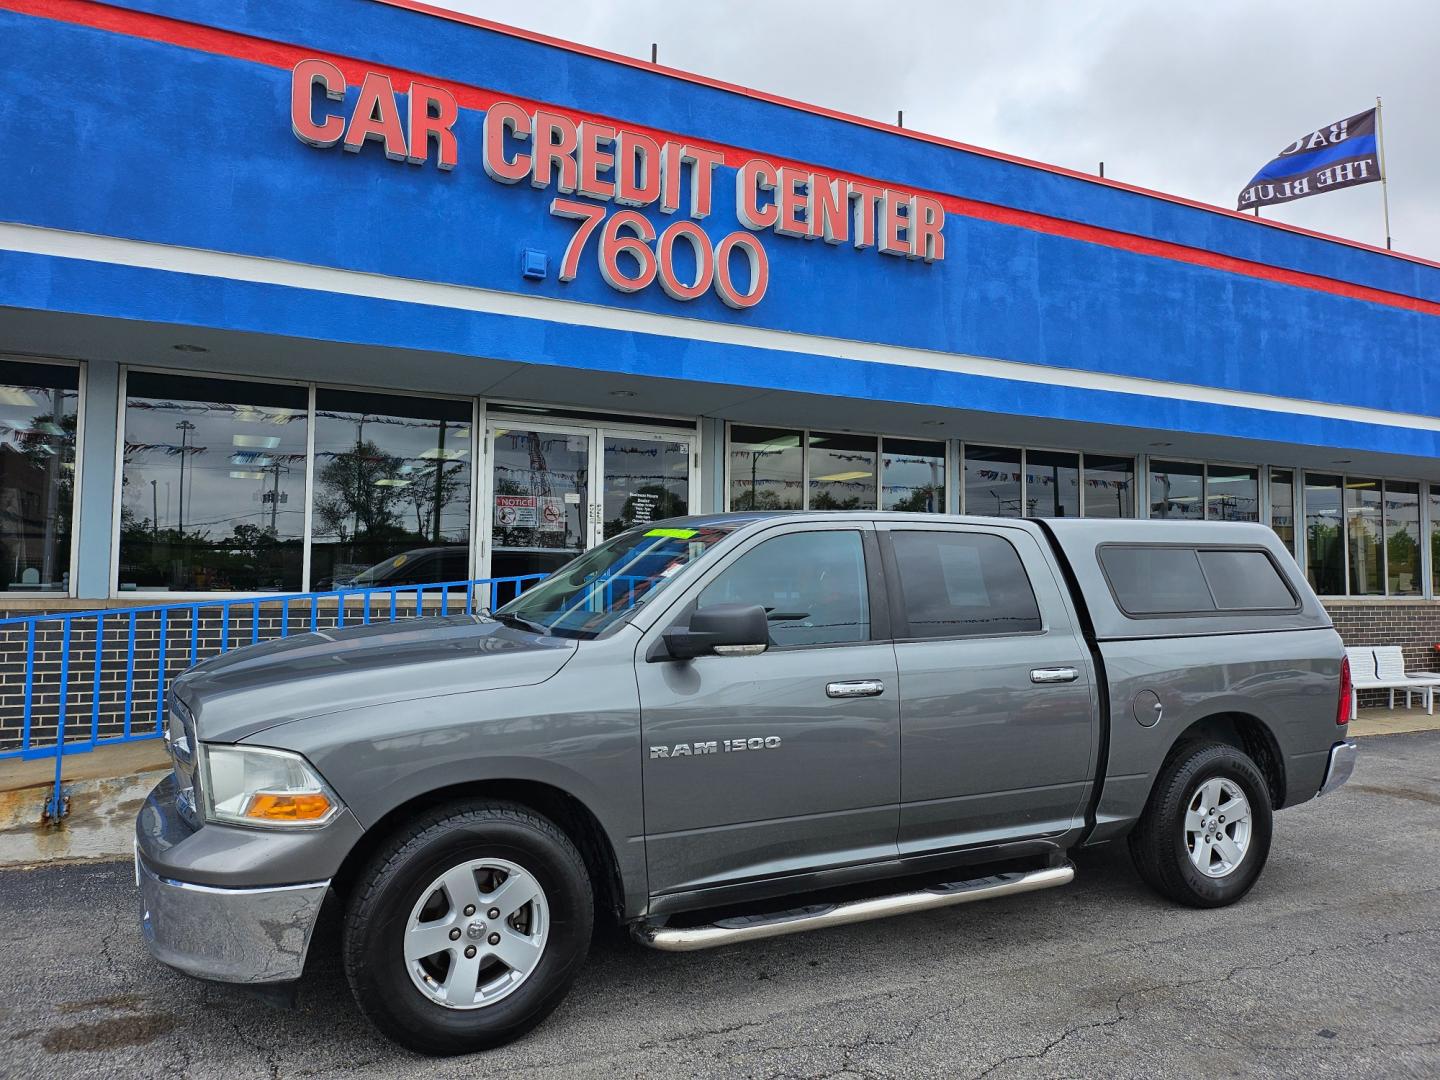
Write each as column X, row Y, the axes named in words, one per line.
column 725, row 728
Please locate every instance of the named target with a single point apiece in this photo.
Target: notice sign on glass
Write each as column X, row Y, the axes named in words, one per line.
column 517, row 511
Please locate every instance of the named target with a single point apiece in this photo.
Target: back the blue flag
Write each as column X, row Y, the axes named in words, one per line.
column 1339, row 156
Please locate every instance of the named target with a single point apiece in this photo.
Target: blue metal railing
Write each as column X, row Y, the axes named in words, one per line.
column 109, row 670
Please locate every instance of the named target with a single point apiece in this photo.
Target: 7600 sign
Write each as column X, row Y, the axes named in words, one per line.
column 629, row 233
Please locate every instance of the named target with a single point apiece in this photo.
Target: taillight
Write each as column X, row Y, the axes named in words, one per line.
column 1342, row 713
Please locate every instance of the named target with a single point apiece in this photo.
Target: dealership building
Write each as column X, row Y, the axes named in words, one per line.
column 295, row 296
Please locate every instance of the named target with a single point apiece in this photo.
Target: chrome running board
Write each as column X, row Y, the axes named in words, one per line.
column 819, row 916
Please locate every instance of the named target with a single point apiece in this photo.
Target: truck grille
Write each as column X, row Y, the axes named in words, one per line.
column 184, row 759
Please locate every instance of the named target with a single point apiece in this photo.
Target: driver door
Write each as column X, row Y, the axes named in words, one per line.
column 785, row 762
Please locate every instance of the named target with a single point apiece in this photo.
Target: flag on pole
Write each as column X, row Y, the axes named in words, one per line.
column 1342, row 155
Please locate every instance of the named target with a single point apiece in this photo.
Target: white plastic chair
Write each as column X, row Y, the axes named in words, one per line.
column 1390, row 667
column 1365, row 675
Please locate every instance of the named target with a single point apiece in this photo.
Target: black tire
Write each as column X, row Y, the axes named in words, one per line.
column 1159, row 844
column 391, row 885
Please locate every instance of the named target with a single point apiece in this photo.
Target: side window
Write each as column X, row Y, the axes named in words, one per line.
column 956, row 584
column 1179, row 580
column 1157, row 580
column 812, row 584
column 1245, row 581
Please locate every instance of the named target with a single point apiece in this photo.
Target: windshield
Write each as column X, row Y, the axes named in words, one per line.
column 605, row 584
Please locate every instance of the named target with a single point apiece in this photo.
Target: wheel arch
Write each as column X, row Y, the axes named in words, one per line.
column 569, row 813
column 1244, row 731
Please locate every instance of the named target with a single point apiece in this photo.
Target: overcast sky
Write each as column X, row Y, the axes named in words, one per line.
column 1186, row 98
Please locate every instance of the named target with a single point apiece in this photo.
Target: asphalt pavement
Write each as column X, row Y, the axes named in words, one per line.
column 1331, row 967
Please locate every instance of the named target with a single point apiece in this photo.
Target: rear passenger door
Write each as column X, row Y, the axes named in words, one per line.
column 999, row 726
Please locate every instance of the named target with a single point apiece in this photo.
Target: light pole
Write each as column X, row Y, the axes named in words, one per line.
column 184, row 427
column 154, row 512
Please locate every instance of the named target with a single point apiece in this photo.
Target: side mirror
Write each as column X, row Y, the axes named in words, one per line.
column 722, row 630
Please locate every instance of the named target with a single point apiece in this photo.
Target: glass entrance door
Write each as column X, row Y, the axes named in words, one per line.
column 539, row 498
column 645, row 478
column 555, row 491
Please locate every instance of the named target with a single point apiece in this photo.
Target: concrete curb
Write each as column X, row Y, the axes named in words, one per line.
column 100, row 824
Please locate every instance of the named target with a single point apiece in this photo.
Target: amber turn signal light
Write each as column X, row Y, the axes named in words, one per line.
column 308, row 806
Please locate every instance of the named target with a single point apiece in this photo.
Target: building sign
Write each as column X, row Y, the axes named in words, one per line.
column 613, row 173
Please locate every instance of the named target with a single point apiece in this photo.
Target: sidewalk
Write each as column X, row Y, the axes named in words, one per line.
column 106, row 788
column 1393, row 722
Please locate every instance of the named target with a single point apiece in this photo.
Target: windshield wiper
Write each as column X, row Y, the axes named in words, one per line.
column 516, row 621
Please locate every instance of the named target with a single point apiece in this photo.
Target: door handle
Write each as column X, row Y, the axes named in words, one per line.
column 1053, row 674
column 857, row 688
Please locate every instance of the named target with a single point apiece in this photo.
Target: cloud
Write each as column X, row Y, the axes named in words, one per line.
column 1187, row 99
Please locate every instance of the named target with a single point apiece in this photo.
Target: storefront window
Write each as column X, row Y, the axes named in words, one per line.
column 1402, row 538
column 842, row 471
column 1176, row 489
column 1052, row 484
column 1363, row 532
column 1109, row 486
column 37, row 474
column 212, row 491
column 1434, row 490
column 992, row 481
column 1232, row 493
column 392, row 489
column 1282, row 506
column 912, row 476
column 767, row 468
column 1324, row 543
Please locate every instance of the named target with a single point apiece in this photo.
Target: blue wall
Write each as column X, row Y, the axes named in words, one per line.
column 133, row 138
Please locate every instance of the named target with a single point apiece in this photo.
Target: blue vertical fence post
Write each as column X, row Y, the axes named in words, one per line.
column 55, row 808
column 160, row 672
column 29, row 683
column 130, row 676
column 95, row 680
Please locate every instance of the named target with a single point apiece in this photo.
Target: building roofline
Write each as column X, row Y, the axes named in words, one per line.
column 422, row 8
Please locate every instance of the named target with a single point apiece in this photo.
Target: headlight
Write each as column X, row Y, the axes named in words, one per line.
column 248, row 785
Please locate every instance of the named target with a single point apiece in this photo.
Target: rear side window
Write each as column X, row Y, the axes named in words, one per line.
column 1245, row 580
column 962, row 585
column 1177, row 580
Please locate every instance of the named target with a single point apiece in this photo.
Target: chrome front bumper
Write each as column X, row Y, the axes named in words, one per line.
column 1342, row 764
column 230, row 935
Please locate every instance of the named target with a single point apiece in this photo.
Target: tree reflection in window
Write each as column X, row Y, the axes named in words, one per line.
column 392, row 489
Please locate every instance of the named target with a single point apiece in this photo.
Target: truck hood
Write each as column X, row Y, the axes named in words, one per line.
column 248, row 690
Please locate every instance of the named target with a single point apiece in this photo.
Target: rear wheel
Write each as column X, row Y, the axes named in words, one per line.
column 468, row 927
column 1205, row 833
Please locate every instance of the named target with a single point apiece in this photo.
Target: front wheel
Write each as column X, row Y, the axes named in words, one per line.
column 1205, row 833
column 468, row 927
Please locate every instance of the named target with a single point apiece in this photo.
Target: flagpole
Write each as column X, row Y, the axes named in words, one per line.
column 1384, row 176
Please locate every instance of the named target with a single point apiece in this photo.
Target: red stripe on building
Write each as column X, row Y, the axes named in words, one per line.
column 228, row 43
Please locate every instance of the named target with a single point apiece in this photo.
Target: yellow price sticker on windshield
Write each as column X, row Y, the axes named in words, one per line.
column 673, row 534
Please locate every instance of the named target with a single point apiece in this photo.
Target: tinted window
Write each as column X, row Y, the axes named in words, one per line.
column 955, row 584
column 213, row 485
column 1157, row 580
column 37, row 477
column 1176, row 490
column 1243, row 580
column 992, row 481
column 812, row 585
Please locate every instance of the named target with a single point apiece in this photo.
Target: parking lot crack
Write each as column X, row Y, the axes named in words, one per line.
column 1119, row 1004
